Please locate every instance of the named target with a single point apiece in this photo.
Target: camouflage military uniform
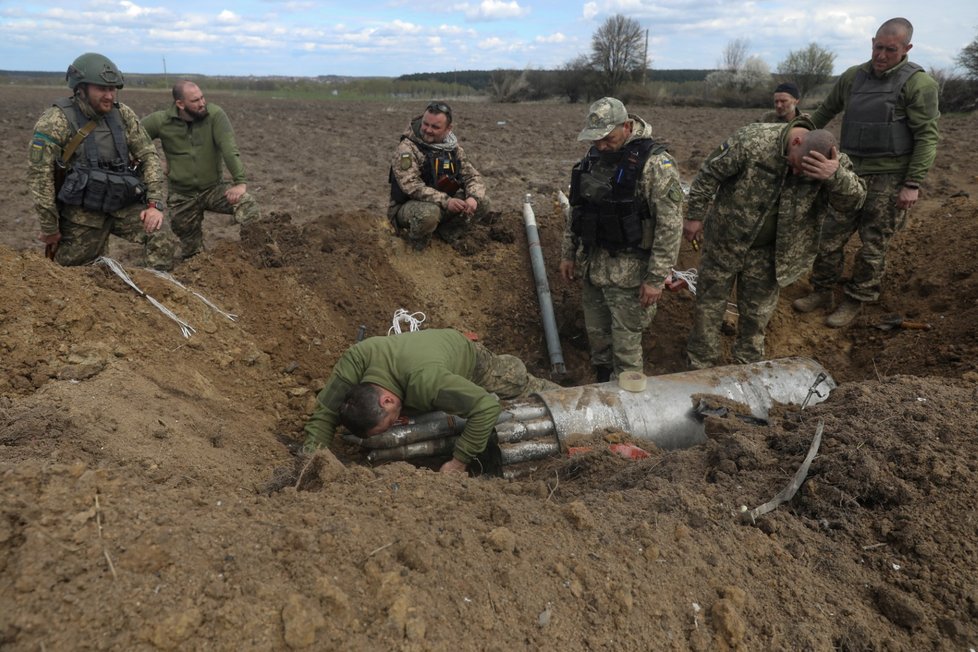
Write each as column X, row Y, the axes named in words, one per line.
column 425, row 209
column 761, row 230
column 611, row 281
column 880, row 217
column 194, row 153
column 432, row 370
column 85, row 233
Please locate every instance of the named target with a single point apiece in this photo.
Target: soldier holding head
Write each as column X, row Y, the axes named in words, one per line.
column 93, row 172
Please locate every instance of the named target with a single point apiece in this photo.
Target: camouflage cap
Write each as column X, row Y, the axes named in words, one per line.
column 605, row 114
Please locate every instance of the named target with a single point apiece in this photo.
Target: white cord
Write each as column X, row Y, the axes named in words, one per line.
column 413, row 320
column 169, row 277
column 689, row 276
column 185, row 328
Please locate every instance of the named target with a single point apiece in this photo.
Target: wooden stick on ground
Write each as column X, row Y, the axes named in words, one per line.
column 105, row 550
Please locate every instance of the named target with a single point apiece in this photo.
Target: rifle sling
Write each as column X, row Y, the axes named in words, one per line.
column 73, row 144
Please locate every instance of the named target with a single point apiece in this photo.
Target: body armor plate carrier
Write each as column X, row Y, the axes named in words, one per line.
column 606, row 211
column 102, row 179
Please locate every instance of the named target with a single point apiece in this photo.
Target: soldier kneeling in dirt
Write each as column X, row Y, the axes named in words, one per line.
column 419, row 372
column 434, row 187
column 94, row 172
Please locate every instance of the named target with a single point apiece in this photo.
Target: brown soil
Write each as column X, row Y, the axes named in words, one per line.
column 147, row 488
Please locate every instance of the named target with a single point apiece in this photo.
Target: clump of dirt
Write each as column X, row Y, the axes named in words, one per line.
column 151, row 498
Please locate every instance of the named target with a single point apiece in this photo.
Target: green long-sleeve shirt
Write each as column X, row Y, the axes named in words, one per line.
column 917, row 101
column 428, row 370
column 194, row 150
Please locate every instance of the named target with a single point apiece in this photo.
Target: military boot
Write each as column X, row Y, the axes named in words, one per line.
column 845, row 313
column 814, row 301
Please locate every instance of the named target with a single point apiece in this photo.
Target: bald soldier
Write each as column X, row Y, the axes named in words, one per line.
column 757, row 204
column 889, row 130
column 197, row 137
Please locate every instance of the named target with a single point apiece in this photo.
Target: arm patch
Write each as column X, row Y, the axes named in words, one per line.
column 675, row 192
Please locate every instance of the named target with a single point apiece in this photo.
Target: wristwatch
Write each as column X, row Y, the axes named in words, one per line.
column 157, row 204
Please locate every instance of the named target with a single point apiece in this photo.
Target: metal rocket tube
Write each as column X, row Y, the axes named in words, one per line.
column 428, row 448
column 543, row 289
column 528, row 451
column 515, row 431
column 663, row 412
column 434, row 425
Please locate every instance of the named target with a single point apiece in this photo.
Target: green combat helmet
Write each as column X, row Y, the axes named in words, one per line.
column 93, row 68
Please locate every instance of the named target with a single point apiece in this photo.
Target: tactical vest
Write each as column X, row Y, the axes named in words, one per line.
column 101, row 178
column 870, row 127
column 606, row 211
column 441, row 169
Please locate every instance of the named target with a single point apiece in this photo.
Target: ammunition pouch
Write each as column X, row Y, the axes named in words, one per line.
column 101, row 190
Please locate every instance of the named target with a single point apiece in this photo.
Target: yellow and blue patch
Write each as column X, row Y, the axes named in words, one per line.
column 666, row 163
column 38, row 141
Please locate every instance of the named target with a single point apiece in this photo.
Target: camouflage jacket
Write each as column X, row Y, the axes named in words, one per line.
column 660, row 188
column 746, row 189
column 408, row 164
column 53, row 132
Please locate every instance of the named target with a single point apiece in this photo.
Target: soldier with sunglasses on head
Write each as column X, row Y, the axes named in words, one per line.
column 435, row 189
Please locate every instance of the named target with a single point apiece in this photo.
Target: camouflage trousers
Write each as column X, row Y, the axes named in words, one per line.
column 418, row 220
column 186, row 213
column 506, row 375
column 876, row 223
column 85, row 236
column 615, row 320
column 757, row 298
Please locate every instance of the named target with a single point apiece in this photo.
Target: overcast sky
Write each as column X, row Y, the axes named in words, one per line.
column 394, row 37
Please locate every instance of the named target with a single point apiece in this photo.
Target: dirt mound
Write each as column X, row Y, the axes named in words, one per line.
column 149, row 498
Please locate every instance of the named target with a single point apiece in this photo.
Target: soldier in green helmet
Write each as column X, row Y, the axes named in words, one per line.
column 93, row 171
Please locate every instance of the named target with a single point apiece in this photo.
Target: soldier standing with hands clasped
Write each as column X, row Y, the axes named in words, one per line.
column 623, row 234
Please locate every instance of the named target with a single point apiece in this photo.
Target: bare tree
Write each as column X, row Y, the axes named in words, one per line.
column 968, row 59
column 576, row 78
column 617, row 51
column 508, row 85
column 735, row 55
column 808, row 67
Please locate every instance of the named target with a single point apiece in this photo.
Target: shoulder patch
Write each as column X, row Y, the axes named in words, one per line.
column 40, row 138
column 405, row 163
column 720, row 151
column 675, row 192
column 665, row 162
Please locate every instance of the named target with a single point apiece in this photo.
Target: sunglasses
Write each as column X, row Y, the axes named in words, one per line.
column 440, row 107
